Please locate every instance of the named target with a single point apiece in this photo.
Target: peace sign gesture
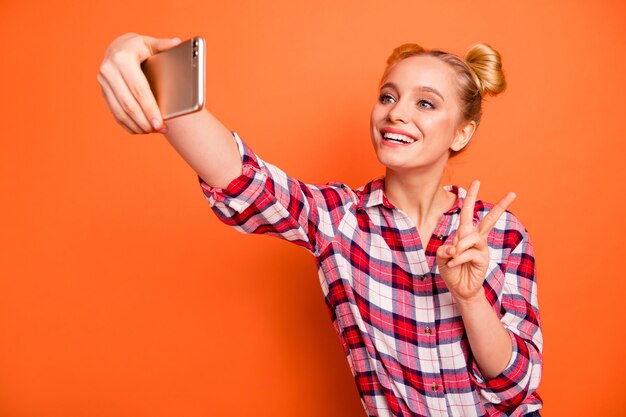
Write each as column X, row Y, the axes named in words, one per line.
column 463, row 264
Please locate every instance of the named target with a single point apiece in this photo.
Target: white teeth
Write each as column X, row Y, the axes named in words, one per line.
column 398, row 137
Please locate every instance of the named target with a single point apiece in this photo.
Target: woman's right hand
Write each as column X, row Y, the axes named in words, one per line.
column 126, row 88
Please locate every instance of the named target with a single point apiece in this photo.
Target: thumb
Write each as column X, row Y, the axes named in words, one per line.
column 445, row 252
column 156, row 45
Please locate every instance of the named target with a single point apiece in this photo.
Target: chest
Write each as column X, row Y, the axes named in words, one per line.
column 390, row 236
column 382, row 280
column 380, row 264
column 379, row 260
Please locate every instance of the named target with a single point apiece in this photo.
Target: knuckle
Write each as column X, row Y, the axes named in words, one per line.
column 104, row 71
column 116, row 54
column 139, row 92
column 119, row 57
column 107, row 69
column 128, row 107
column 123, row 119
column 125, row 106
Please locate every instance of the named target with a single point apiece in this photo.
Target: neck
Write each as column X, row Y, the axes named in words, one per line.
column 420, row 196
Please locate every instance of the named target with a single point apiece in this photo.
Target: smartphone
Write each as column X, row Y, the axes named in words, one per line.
column 176, row 78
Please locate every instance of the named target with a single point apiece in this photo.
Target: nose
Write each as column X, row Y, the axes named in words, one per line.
column 398, row 113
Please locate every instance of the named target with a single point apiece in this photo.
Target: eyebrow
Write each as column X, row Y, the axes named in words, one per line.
column 421, row 88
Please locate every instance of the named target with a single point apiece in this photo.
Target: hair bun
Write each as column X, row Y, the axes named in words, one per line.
column 486, row 65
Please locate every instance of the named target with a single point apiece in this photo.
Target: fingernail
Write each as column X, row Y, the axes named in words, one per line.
column 449, row 251
column 163, row 129
column 176, row 39
column 156, row 124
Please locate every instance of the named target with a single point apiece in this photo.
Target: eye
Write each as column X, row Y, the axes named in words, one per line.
column 386, row 98
column 425, row 104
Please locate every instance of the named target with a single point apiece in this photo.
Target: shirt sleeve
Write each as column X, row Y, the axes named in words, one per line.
column 519, row 312
column 265, row 200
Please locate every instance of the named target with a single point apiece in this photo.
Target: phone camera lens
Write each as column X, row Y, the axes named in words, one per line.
column 195, row 53
column 195, row 43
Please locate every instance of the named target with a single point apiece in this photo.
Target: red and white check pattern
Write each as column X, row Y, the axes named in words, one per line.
column 402, row 333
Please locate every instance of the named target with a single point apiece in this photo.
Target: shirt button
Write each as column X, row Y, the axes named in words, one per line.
column 427, row 330
column 423, row 277
column 440, row 237
column 434, row 386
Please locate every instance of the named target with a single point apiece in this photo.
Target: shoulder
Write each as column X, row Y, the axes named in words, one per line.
column 369, row 193
column 334, row 193
column 508, row 231
column 367, row 189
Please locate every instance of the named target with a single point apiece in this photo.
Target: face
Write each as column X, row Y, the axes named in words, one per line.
column 416, row 120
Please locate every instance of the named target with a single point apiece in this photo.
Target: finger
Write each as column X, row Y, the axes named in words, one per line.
column 120, row 116
column 138, row 84
column 156, row 45
column 491, row 218
column 467, row 210
column 124, row 97
column 137, row 48
column 141, row 92
column 465, row 257
column 473, row 240
column 445, row 252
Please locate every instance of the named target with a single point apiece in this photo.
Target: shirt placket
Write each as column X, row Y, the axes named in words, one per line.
column 424, row 306
column 441, row 234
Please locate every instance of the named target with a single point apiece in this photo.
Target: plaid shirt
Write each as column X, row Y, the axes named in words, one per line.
column 401, row 331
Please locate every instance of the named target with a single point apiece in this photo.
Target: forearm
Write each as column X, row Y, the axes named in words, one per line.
column 207, row 146
column 489, row 340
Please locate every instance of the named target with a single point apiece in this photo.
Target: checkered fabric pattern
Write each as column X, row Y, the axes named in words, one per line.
column 401, row 331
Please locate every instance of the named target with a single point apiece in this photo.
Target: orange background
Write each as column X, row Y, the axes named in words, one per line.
column 121, row 294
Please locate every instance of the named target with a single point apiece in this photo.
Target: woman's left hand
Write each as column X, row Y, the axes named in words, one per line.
column 463, row 264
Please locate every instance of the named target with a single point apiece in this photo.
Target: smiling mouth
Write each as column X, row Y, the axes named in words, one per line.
column 398, row 138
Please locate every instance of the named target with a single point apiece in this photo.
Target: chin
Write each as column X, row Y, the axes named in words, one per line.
column 394, row 164
column 390, row 159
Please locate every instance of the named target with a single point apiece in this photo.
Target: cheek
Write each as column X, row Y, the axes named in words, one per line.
column 373, row 127
column 440, row 126
column 378, row 113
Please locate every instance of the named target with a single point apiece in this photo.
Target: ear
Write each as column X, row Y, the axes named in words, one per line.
column 463, row 136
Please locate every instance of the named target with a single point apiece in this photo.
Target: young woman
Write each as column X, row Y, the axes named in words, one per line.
column 431, row 291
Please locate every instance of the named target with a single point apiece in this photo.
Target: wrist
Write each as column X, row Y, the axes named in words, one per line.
column 471, row 303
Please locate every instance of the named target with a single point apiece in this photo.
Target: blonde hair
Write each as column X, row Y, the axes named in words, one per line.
column 479, row 74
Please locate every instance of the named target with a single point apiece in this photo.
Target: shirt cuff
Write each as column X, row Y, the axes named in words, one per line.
column 242, row 191
column 511, row 382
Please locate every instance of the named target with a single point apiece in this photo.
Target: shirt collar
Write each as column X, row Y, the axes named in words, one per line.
column 460, row 197
column 372, row 195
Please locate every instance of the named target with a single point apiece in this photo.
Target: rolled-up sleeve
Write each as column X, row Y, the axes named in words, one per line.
column 520, row 315
column 264, row 199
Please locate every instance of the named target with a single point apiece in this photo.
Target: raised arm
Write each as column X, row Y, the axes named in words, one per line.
column 205, row 143
column 498, row 303
column 244, row 191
